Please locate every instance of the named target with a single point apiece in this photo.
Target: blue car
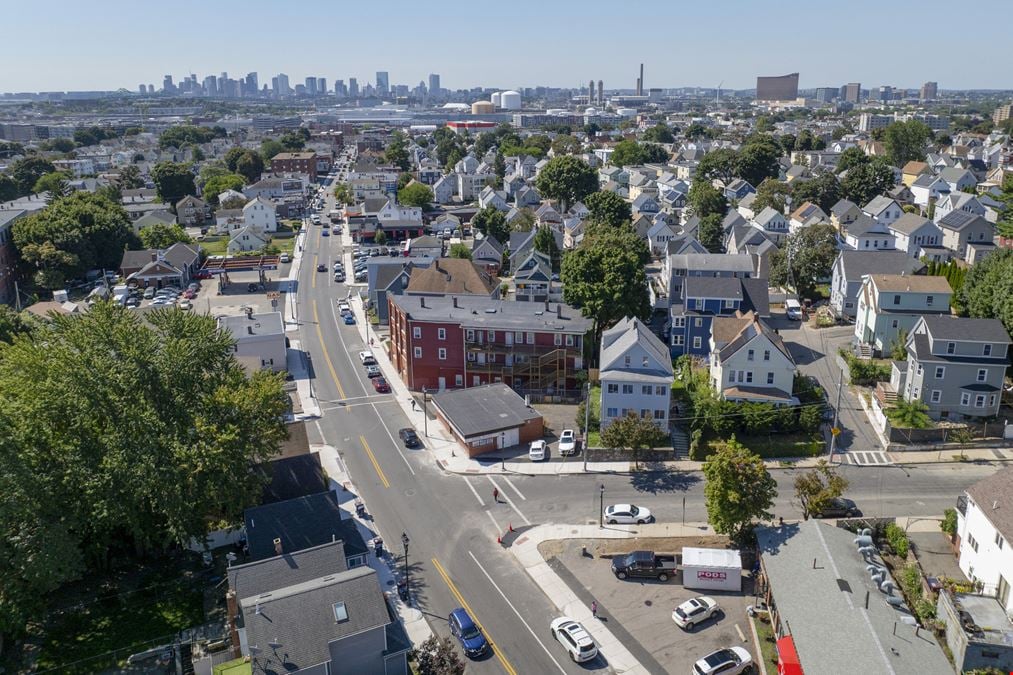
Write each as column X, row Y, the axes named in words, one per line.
column 349, row 319
column 467, row 633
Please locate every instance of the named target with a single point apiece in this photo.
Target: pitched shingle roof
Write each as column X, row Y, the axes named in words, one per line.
column 630, row 331
column 300, row 523
column 994, row 496
column 454, row 276
column 944, row 327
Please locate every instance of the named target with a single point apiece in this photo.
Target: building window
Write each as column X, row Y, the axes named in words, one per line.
column 612, row 388
column 936, row 396
column 644, row 362
column 471, row 356
column 982, row 374
column 659, row 414
column 729, row 304
column 458, row 380
column 766, row 354
column 965, row 398
column 659, row 390
column 626, row 360
column 696, row 342
column 894, row 324
column 644, row 412
column 731, row 377
column 569, row 340
column 919, row 371
column 698, row 322
column 979, row 401
column 417, row 332
column 999, row 541
column 896, row 299
column 441, row 333
column 972, row 542
column 986, row 350
column 557, row 339
column 940, row 372
column 611, row 412
column 678, row 340
column 951, row 347
column 518, row 337
column 749, row 376
column 928, row 300
column 645, row 389
column 529, row 338
column 991, row 401
column 770, row 378
column 627, row 388
column 749, row 355
column 679, row 322
column 418, row 352
column 441, row 354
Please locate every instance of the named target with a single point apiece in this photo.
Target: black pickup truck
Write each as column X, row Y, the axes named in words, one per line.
column 644, row 564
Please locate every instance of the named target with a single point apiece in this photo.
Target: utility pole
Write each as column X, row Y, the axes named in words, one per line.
column 587, row 416
column 835, row 430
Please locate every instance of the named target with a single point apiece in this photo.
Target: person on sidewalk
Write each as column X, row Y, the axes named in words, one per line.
column 495, row 495
column 594, row 608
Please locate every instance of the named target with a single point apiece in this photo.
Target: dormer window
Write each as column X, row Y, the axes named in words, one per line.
column 951, row 347
column 986, row 350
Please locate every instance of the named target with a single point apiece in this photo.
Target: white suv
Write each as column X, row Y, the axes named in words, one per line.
column 367, row 358
column 574, row 638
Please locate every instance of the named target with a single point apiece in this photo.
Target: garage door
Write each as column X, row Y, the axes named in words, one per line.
column 509, row 438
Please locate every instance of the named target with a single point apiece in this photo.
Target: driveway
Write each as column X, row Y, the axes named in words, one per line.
column 814, row 351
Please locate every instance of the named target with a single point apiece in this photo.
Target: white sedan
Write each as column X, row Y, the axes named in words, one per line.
column 731, row 661
column 574, row 638
column 695, row 611
column 367, row 358
column 537, row 451
column 627, row 514
column 567, row 443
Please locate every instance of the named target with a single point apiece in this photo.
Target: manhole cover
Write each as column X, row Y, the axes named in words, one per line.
column 648, row 603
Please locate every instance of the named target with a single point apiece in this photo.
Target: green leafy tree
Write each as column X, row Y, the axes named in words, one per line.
column 811, row 253
column 250, row 166
column 564, row 144
column 626, row 153
column 8, row 188
column 817, row 488
column 484, row 143
column 54, row 184
column 608, row 208
column 59, row 145
column 545, row 242
column 711, row 234
column 605, row 277
column 460, row 251
column 12, row 324
column 173, row 180
column 771, row 192
column 219, row 184
column 454, row 155
column 71, row 236
column 632, row 433
column 492, row 223
column 403, row 179
column 721, row 164
column 758, row 160
column 343, row 194
column 437, row 656
column 696, row 131
column 416, row 194
column 269, row 148
column 397, row 152
column 231, row 158
column 499, row 167
column 865, row 181
column 739, row 490
column 906, row 141
column 898, row 346
column 824, row 191
column 568, row 179
column 27, row 171
column 911, row 414
column 162, row 235
column 380, row 238
column 850, row 158
column 659, row 133
column 987, row 290
column 185, row 134
column 787, row 143
column 293, row 141
column 704, row 199
column 130, row 178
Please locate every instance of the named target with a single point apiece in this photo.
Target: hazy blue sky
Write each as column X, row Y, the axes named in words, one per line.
column 69, row 44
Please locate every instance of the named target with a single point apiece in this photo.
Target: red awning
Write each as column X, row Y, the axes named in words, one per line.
column 787, row 657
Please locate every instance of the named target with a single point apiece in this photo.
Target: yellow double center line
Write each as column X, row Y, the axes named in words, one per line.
column 464, row 603
column 376, row 464
column 323, row 348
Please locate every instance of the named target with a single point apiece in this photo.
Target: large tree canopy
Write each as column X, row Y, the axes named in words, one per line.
column 416, row 194
column 568, row 179
column 722, row 164
column 173, row 180
column 906, row 141
column 71, row 236
column 631, row 153
column 118, row 431
column 988, row 289
column 491, row 222
column 163, row 235
column 25, row 172
column 739, row 489
column 184, row 134
column 704, row 199
column 808, row 255
column 608, row 208
column 823, row 190
column 867, row 180
column 758, row 159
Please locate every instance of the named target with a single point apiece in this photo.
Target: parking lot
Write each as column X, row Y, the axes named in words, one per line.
column 639, row 612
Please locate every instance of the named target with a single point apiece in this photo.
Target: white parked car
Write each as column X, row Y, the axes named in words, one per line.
column 574, row 638
column 627, row 514
column 731, row 661
column 285, row 257
column 185, row 304
column 367, row 358
column 344, row 309
column 695, row 611
column 537, row 451
column 567, row 443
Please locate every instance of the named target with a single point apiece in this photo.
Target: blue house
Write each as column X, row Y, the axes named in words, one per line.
column 704, row 298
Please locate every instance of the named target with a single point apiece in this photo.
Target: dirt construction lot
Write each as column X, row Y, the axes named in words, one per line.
column 639, row 611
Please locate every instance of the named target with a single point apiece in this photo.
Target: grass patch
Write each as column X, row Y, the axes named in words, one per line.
column 594, row 433
column 121, row 613
column 215, row 245
column 237, row 667
column 775, row 445
column 767, row 640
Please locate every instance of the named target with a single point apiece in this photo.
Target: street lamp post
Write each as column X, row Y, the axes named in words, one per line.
column 407, row 577
column 425, row 412
column 601, row 506
column 587, row 415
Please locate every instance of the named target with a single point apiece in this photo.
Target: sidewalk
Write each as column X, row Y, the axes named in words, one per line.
column 525, row 549
column 295, row 363
column 412, row 619
column 291, row 283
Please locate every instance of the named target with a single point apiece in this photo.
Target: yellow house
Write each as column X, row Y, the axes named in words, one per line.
column 912, row 170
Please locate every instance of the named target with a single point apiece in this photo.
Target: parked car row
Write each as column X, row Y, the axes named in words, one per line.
column 573, row 637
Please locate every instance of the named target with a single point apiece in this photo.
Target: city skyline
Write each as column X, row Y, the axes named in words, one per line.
column 716, row 50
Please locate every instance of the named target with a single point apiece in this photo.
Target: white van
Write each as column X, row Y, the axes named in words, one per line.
column 793, row 309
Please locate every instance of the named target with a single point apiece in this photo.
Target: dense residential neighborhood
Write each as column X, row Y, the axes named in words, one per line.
column 360, row 376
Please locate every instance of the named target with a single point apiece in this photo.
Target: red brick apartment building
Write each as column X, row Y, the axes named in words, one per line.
column 295, row 162
column 450, row 342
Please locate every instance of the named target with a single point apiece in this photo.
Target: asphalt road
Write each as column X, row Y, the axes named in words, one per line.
column 453, row 555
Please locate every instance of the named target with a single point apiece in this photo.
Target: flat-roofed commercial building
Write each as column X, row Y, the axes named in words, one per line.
column 780, row 88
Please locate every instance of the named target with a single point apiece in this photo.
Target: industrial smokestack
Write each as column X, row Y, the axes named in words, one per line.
column 601, row 93
column 640, row 81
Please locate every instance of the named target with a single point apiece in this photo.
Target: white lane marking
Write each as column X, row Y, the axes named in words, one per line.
column 495, row 525
column 504, row 596
column 473, row 490
column 739, row 631
column 344, row 348
column 397, row 446
column 519, row 493
column 508, row 500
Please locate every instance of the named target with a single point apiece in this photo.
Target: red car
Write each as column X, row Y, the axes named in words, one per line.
column 205, row 275
column 381, row 385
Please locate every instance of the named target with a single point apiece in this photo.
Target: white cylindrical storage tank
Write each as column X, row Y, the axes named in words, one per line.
column 626, row 112
column 510, row 100
column 497, row 99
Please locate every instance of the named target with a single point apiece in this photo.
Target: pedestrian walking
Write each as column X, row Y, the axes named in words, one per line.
column 594, row 608
column 495, row 495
